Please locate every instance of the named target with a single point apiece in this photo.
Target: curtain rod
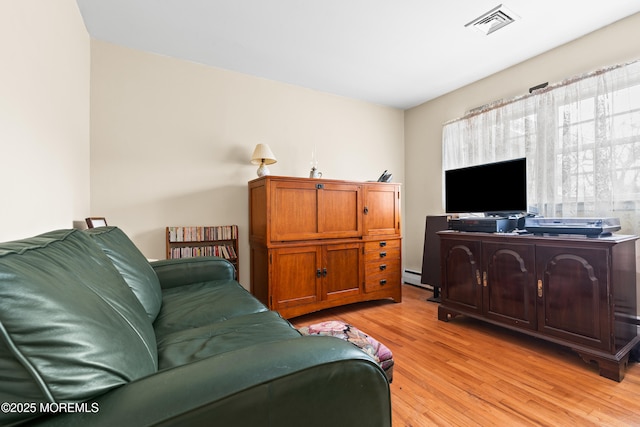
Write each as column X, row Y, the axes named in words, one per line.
column 502, row 102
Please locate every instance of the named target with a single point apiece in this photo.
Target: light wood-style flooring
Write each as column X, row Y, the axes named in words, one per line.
column 468, row 373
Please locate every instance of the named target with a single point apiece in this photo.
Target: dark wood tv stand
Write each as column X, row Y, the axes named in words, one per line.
column 575, row 291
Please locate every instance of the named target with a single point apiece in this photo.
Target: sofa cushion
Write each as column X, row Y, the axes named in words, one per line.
column 189, row 345
column 70, row 327
column 132, row 265
column 200, row 304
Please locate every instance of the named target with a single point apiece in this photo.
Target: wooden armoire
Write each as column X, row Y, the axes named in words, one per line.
column 320, row 243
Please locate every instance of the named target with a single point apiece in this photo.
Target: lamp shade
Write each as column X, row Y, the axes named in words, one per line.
column 263, row 155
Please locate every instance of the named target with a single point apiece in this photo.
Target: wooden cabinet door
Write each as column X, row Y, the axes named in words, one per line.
column 296, row 276
column 509, row 283
column 309, row 209
column 572, row 291
column 339, row 207
column 461, row 282
column 342, row 270
column 294, row 210
column 381, row 209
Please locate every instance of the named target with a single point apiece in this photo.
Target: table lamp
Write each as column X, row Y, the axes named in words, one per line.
column 263, row 156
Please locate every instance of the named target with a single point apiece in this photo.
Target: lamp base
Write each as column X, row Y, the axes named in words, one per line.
column 263, row 170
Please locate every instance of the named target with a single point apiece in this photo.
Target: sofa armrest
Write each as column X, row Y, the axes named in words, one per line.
column 315, row 381
column 185, row 271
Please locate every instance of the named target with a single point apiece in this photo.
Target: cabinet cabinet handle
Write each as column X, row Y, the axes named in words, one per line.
column 383, row 266
column 478, row 281
column 366, row 210
column 324, row 272
column 484, row 279
column 540, row 288
column 320, row 186
column 383, row 282
column 383, row 254
column 383, row 244
column 318, row 273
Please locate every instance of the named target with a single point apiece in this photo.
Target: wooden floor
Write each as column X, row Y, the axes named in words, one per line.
column 468, row 373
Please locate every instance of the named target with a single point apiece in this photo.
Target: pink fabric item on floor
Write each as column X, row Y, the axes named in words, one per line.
column 374, row 348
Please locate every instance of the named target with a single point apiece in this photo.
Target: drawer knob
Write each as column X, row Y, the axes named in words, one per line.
column 383, row 266
column 383, row 244
column 383, row 254
column 383, row 282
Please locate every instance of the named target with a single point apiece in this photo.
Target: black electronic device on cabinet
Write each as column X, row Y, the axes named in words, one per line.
column 493, row 189
column 385, row 177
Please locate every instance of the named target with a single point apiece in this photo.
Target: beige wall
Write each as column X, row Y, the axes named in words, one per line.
column 44, row 116
column 170, row 139
column 171, row 142
column 423, row 124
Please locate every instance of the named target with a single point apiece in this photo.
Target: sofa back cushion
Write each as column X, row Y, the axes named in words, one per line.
column 70, row 327
column 132, row 265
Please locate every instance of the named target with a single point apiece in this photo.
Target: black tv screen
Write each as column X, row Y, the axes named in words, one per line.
column 492, row 188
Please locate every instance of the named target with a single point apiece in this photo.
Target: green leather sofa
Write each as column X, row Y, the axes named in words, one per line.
column 92, row 334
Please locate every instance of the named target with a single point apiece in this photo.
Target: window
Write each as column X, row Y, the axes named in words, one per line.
column 581, row 139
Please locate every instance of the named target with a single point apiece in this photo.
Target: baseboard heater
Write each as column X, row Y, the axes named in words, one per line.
column 414, row 278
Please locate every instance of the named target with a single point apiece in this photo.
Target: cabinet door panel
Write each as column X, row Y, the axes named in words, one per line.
column 462, row 274
column 343, row 270
column 294, row 211
column 509, row 283
column 382, row 210
column 574, row 288
column 295, row 270
column 339, row 210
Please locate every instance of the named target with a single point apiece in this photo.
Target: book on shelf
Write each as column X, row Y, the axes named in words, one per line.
column 223, row 251
column 202, row 233
column 199, row 241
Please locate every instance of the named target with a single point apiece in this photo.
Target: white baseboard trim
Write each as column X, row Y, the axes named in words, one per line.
column 414, row 278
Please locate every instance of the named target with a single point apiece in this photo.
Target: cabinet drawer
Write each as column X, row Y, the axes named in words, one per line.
column 382, row 255
column 378, row 279
column 379, row 245
column 381, row 267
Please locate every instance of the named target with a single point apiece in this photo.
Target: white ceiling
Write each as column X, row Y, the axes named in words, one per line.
column 399, row 53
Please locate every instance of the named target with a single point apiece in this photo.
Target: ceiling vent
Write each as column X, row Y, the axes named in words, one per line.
column 491, row 21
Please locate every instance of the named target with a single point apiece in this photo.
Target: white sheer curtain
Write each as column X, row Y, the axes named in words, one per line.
column 581, row 138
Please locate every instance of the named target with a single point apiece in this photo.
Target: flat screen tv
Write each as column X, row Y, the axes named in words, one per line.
column 493, row 188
